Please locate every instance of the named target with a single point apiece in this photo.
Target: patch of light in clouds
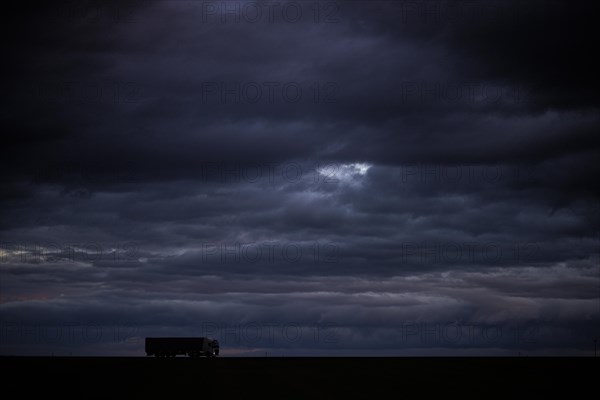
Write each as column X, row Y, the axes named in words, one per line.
column 344, row 173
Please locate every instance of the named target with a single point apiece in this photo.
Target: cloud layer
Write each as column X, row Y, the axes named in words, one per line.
column 364, row 177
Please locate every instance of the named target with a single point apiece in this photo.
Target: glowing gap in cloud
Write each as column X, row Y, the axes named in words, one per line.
column 344, row 173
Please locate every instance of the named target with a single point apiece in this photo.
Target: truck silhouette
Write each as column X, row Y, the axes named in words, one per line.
column 191, row 346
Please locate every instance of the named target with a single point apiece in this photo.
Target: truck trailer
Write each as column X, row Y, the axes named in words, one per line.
column 188, row 346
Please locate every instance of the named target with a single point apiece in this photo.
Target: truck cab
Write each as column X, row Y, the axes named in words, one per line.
column 214, row 344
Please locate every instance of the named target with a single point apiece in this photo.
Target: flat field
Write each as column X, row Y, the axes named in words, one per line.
column 287, row 377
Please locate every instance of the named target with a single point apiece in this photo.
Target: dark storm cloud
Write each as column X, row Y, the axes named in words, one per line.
column 371, row 167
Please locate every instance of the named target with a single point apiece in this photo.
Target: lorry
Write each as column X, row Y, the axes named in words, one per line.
column 191, row 346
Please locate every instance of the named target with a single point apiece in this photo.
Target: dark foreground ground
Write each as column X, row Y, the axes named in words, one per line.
column 283, row 378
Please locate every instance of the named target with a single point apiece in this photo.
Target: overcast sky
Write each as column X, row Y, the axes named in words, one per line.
column 301, row 177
